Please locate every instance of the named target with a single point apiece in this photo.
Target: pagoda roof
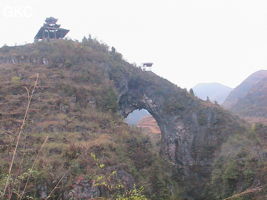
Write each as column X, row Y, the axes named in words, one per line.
column 148, row 64
column 51, row 20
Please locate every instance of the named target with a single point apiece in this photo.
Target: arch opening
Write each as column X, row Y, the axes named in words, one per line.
column 146, row 122
column 135, row 116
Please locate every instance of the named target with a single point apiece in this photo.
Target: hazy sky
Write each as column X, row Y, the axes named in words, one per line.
column 190, row 41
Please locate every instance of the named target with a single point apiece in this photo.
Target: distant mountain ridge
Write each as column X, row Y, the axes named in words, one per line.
column 215, row 91
column 243, row 89
column 249, row 99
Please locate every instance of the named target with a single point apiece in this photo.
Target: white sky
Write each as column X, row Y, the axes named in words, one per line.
column 190, row 41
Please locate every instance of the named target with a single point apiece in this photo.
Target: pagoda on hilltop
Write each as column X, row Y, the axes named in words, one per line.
column 147, row 66
column 51, row 30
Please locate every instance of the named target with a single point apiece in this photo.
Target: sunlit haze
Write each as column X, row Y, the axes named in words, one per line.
column 189, row 41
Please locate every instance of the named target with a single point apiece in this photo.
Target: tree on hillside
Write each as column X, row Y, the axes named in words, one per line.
column 191, row 91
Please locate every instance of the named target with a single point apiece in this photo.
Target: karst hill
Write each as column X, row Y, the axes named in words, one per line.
column 84, row 92
column 249, row 98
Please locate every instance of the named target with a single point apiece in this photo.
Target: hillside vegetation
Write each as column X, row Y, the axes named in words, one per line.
column 76, row 145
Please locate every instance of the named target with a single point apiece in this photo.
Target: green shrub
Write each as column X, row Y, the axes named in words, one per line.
column 15, row 80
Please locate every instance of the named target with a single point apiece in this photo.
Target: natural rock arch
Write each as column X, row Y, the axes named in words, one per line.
column 192, row 130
